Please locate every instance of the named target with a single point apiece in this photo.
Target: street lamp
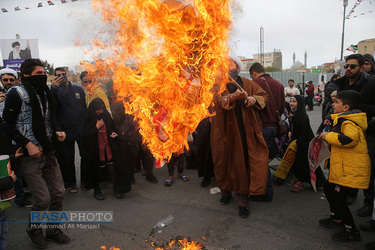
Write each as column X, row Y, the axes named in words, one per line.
column 345, row 3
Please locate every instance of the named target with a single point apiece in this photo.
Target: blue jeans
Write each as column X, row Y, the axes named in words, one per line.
column 3, row 230
column 269, row 135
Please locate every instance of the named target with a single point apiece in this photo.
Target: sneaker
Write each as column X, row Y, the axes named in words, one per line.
column 365, row 211
column 292, row 182
column 151, row 178
column 58, row 236
column 24, row 203
column 224, row 200
column 298, row 187
column 330, row 223
column 346, row 236
column 37, row 238
column 368, row 226
column 243, row 212
column 98, row 194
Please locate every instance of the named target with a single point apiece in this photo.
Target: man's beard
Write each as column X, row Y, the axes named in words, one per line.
column 351, row 75
column 233, row 73
column 16, row 54
column 8, row 86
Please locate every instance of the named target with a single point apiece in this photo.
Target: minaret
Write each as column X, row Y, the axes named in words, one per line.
column 294, row 58
column 305, row 59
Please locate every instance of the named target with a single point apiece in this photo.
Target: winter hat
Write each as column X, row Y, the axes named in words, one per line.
column 370, row 59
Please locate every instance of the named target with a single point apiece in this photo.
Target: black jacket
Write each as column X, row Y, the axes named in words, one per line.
column 365, row 85
column 71, row 108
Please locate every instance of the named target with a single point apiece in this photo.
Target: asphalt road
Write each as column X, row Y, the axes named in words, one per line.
column 290, row 221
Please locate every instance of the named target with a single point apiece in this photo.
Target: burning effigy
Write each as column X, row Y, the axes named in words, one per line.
column 180, row 50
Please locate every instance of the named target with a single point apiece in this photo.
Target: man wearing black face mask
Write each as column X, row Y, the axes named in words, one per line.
column 30, row 121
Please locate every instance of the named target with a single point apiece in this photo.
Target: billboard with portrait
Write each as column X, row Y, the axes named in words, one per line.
column 15, row 51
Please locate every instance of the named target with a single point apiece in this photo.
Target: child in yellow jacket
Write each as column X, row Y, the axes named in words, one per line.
column 349, row 163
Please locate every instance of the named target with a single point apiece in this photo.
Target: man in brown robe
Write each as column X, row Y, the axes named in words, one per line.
column 239, row 152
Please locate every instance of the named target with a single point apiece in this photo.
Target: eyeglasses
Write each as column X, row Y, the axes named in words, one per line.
column 351, row 66
column 8, row 80
column 88, row 81
column 63, row 74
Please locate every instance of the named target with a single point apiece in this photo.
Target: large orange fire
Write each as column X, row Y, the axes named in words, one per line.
column 180, row 51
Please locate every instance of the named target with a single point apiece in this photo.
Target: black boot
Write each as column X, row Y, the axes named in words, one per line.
column 98, row 194
column 57, row 235
column 37, row 237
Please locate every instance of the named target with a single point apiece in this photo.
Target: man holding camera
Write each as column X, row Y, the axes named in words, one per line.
column 70, row 115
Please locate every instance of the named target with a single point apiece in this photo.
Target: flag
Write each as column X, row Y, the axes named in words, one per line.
column 40, row 4
column 352, row 48
column 50, row 3
column 3, row 10
column 17, row 8
column 64, row 1
column 318, row 152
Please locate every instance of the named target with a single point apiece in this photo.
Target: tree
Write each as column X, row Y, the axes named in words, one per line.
column 48, row 67
column 271, row 69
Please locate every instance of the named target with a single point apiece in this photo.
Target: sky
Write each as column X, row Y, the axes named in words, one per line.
column 292, row 26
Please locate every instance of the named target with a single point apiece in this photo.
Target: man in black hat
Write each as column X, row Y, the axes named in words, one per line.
column 18, row 53
column 369, row 65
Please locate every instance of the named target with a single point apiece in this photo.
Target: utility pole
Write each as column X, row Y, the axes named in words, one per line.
column 345, row 3
column 262, row 45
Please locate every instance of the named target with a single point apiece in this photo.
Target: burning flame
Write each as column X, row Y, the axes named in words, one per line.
column 179, row 51
column 111, row 248
column 183, row 244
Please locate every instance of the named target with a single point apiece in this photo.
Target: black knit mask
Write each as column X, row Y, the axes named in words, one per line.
column 39, row 82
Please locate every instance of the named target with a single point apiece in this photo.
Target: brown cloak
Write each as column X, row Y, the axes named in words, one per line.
column 227, row 150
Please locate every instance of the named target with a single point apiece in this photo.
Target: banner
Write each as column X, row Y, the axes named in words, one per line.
column 318, row 152
column 15, row 51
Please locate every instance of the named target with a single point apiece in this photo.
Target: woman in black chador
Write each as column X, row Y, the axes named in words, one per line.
column 301, row 130
column 100, row 148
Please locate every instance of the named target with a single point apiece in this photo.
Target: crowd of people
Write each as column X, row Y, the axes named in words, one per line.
column 41, row 126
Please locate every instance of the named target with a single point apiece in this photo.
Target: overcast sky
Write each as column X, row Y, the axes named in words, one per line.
column 289, row 25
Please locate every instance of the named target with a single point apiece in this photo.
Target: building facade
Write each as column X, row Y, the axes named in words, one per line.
column 271, row 59
column 367, row 47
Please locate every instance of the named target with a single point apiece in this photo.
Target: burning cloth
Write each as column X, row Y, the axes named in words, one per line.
column 179, row 51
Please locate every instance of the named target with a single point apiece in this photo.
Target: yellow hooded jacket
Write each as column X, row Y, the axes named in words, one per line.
column 350, row 163
column 95, row 91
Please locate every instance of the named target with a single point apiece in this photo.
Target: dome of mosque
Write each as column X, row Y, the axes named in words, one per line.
column 297, row 66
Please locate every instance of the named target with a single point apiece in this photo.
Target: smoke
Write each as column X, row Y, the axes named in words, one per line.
column 237, row 14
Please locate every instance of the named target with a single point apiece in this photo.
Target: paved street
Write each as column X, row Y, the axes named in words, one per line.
column 290, row 221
